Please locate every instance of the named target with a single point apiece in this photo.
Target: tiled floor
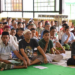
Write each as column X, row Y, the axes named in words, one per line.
column 63, row 62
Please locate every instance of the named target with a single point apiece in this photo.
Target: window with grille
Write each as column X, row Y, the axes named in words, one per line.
column 29, row 8
column 13, row 5
column 44, row 5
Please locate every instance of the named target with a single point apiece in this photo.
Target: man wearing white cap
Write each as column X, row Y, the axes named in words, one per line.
column 26, row 47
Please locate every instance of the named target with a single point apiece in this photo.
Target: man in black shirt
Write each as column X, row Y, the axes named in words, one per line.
column 26, row 47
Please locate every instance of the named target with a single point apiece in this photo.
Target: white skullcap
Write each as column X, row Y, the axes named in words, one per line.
column 27, row 30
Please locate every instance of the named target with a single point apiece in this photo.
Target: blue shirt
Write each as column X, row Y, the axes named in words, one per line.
column 65, row 36
column 25, row 28
column 11, row 27
column 42, row 34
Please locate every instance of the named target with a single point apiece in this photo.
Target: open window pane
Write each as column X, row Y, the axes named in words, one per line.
column 44, row 5
column 70, row 6
column 27, row 5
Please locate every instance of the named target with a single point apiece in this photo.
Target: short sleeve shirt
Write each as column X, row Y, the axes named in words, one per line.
column 6, row 50
column 42, row 44
column 65, row 36
column 28, row 47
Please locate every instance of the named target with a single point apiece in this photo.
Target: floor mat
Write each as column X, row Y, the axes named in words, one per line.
column 51, row 70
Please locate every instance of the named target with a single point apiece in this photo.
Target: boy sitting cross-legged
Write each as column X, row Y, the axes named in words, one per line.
column 47, row 46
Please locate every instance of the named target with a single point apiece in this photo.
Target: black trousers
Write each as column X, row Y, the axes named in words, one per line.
column 71, row 61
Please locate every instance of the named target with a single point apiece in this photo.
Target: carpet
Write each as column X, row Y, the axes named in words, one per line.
column 51, row 70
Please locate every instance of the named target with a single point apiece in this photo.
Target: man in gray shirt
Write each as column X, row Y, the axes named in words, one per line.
column 5, row 50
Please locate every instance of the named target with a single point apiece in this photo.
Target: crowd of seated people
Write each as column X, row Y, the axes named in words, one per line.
column 18, row 39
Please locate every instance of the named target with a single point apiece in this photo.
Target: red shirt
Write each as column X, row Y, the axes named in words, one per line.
column 1, row 30
column 61, row 29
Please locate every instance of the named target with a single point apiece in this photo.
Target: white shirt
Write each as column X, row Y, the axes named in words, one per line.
column 11, row 41
column 60, row 34
column 6, row 50
column 54, row 40
column 65, row 36
column 15, row 38
column 58, row 27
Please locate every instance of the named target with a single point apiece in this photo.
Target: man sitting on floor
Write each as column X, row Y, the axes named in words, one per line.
column 33, row 31
column 5, row 50
column 13, row 33
column 60, row 34
column 15, row 25
column 20, row 25
column 47, row 27
column 19, row 34
column 40, row 28
column 26, row 47
column 11, row 40
column 5, row 24
column 67, row 38
column 47, row 45
column 56, row 44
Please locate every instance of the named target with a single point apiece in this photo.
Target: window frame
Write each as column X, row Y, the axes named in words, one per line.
column 60, row 9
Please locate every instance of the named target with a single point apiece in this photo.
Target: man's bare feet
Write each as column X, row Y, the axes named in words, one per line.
column 2, row 69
